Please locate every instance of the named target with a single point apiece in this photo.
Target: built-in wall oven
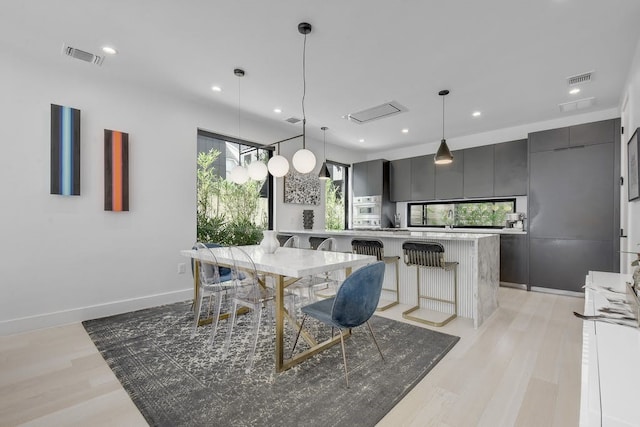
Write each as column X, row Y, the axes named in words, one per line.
column 367, row 212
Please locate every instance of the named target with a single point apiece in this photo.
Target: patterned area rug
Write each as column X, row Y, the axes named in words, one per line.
column 178, row 381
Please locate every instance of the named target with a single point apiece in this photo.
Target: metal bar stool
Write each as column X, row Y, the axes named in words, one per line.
column 429, row 255
column 376, row 248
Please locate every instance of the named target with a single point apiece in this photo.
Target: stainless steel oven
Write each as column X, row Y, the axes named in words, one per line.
column 367, row 211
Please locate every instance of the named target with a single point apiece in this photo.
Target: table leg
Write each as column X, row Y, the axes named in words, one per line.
column 279, row 323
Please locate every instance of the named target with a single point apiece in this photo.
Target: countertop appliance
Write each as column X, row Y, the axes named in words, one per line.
column 515, row 221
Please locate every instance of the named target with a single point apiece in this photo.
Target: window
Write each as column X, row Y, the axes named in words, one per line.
column 470, row 214
column 335, row 195
column 226, row 210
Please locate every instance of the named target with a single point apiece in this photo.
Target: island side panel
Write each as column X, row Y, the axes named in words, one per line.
column 488, row 254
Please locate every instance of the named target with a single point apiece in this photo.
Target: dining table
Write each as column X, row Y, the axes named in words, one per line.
column 285, row 266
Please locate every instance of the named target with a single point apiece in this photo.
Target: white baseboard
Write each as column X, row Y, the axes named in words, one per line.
column 74, row 315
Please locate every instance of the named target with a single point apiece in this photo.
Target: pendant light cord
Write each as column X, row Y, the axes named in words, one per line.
column 443, row 117
column 304, row 89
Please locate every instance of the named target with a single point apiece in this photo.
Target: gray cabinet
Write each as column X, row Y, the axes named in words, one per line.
column 563, row 263
column 368, row 178
column 450, row 178
column 511, row 176
column 573, row 199
column 400, row 180
column 514, row 258
column 548, row 140
column 423, row 175
column 478, row 171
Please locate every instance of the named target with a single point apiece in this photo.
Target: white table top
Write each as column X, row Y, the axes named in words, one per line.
column 290, row 262
column 610, row 362
column 401, row 234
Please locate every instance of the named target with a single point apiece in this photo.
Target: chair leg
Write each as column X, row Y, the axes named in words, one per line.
column 298, row 335
column 256, row 331
column 196, row 313
column 344, row 358
column 231, row 321
column 375, row 340
column 216, row 318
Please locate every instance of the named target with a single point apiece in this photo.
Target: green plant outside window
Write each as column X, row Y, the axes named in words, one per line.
column 478, row 214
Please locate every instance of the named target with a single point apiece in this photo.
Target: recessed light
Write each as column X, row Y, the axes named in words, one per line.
column 216, row 88
column 476, row 114
column 109, row 50
column 574, row 90
column 361, row 140
column 405, row 130
column 277, row 110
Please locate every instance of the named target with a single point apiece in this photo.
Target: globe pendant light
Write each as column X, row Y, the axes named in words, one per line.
column 443, row 155
column 304, row 161
column 238, row 174
column 257, row 170
column 324, row 170
column 278, row 165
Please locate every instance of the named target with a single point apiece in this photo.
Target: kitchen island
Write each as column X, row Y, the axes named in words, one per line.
column 478, row 256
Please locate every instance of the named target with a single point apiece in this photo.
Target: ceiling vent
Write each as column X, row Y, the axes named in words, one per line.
column 82, row 55
column 580, row 78
column 293, row 120
column 387, row 109
column 577, row 105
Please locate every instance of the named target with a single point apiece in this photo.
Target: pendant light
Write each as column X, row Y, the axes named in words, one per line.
column 304, row 161
column 238, row 174
column 278, row 165
column 443, row 156
column 324, row 170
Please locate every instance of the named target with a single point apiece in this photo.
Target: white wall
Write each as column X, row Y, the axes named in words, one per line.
column 65, row 259
column 630, row 107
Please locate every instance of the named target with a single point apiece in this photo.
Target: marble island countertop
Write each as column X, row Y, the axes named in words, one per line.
column 398, row 234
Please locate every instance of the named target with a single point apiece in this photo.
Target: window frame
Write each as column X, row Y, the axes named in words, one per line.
column 458, row 202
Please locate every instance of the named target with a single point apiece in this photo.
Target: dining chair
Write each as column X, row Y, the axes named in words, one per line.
column 250, row 294
column 291, row 242
column 311, row 283
column 214, row 281
column 354, row 304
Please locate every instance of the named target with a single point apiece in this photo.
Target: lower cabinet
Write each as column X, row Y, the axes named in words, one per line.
column 514, row 258
column 562, row 263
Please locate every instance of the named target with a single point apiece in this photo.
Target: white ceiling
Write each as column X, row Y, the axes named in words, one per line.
column 506, row 58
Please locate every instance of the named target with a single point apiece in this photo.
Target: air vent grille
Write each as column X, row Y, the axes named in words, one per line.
column 293, row 120
column 580, row 78
column 82, row 55
column 577, row 105
column 374, row 113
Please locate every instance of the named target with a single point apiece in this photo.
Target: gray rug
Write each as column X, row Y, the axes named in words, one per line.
column 178, row 381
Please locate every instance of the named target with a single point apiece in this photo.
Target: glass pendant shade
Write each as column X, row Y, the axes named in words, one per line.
column 239, row 175
column 257, row 171
column 324, row 172
column 443, row 156
column 278, row 166
column 304, row 161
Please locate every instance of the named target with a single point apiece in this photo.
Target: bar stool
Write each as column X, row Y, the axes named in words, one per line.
column 429, row 255
column 376, row 248
column 315, row 241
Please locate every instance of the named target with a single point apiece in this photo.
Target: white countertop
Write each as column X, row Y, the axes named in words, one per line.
column 400, row 234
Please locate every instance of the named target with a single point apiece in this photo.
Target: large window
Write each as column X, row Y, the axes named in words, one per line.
column 471, row 214
column 230, row 213
column 336, row 209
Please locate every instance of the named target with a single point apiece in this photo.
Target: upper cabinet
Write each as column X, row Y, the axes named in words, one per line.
column 450, row 178
column 368, row 178
column 549, row 140
column 601, row 132
column 479, row 171
column 511, row 176
column 400, row 180
column 423, row 178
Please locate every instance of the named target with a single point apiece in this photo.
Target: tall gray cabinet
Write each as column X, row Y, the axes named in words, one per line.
column 574, row 198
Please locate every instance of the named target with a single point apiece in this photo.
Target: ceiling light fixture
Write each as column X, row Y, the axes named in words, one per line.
column 443, row 156
column 476, row 114
column 324, row 170
column 361, row 140
column 277, row 110
column 239, row 174
column 216, row 88
column 405, row 130
column 574, row 90
column 109, row 50
column 304, row 161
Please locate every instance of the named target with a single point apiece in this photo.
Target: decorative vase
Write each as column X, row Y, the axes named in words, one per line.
column 269, row 242
column 307, row 219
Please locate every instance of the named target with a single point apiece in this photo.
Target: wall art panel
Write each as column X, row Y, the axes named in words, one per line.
column 65, row 150
column 116, row 171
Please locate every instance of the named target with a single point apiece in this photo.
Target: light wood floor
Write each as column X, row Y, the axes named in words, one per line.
column 521, row 368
